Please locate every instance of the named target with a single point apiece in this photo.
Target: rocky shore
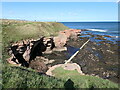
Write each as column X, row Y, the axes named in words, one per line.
column 98, row 58
column 30, row 52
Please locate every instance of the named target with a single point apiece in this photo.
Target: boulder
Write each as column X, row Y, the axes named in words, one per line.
column 60, row 40
column 70, row 32
column 63, row 36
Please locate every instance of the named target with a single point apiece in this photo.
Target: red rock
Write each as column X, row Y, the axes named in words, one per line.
column 70, row 32
column 63, row 36
column 60, row 40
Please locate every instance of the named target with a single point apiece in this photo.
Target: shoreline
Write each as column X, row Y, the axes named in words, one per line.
column 93, row 59
column 38, row 67
column 96, row 58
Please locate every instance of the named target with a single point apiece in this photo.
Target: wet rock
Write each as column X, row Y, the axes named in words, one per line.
column 100, row 38
column 107, row 36
column 94, row 58
column 38, row 66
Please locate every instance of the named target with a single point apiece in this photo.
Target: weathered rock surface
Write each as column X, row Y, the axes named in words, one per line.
column 24, row 52
column 96, row 58
column 64, row 36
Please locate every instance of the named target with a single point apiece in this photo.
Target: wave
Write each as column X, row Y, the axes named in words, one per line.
column 98, row 30
column 116, row 36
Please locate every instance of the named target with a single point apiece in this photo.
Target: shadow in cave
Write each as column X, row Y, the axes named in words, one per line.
column 19, row 56
column 69, row 85
column 37, row 49
column 50, row 44
column 21, row 60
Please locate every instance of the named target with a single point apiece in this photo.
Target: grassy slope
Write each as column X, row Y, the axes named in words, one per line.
column 83, row 81
column 18, row 77
column 17, row 30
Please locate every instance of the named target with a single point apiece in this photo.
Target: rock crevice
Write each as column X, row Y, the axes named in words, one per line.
column 24, row 52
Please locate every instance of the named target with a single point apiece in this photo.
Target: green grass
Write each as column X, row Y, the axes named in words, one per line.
column 15, row 30
column 12, row 31
column 83, row 81
column 0, row 74
column 20, row 77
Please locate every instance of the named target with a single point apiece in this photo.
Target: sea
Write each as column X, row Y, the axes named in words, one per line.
column 97, row 28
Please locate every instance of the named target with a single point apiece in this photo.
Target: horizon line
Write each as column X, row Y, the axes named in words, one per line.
column 57, row 21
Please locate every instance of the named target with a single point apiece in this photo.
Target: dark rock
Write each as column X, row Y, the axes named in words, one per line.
column 38, row 65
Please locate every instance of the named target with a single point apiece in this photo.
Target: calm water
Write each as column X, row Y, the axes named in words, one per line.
column 100, row 28
column 96, row 28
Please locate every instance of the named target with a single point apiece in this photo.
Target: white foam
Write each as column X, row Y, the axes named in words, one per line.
column 98, row 30
column 116, row 36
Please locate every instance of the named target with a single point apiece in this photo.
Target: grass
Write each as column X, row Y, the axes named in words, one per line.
column 13, row 30
column 83, row 81
column 20, row 77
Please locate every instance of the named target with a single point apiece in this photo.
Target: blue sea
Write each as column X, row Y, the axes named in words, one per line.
column 94, row 28
column 97, row 28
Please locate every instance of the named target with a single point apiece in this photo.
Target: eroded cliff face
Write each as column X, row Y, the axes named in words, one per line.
column 24, row 53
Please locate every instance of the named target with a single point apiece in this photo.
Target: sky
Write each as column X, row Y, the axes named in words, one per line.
column 61, row 11
column 60, row 0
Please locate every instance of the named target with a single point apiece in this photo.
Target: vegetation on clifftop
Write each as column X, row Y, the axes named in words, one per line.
column 13, row 30
column 21, row 77
column 17, row 30
column 17, row 77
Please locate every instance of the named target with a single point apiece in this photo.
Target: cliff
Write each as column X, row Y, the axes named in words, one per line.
column 21, row 77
